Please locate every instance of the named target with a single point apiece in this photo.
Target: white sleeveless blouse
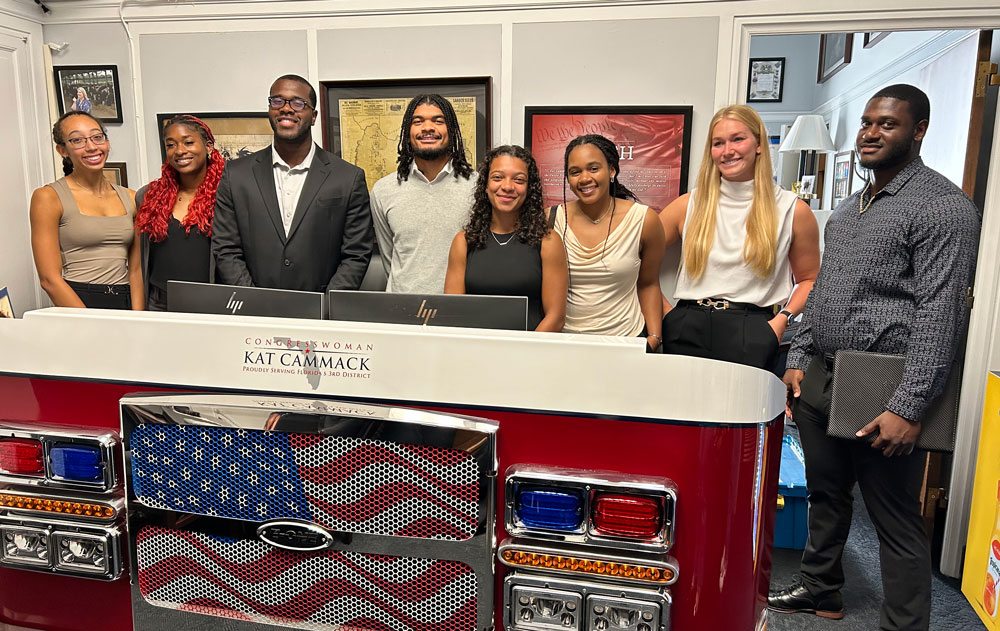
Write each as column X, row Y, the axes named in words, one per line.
column 726, row 273
column 602, row 297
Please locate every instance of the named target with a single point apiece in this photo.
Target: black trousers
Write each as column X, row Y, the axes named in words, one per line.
column 891, row 490
column 742, row 336
column 103, row 296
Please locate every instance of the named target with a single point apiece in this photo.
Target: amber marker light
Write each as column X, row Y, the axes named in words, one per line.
column 588, row 567
column 91, row 510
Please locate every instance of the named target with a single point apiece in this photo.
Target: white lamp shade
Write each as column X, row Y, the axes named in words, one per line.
column 808, row 133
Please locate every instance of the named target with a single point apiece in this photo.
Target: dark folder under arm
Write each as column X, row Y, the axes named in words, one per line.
column 863, row 383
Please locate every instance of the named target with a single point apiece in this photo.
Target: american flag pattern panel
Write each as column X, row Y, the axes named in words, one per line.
column 336, row 590
column 342, row 483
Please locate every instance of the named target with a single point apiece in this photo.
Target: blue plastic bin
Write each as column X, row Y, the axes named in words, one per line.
column 791, row 526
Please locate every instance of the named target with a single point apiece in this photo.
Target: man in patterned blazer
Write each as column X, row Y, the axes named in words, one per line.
column 899, row 256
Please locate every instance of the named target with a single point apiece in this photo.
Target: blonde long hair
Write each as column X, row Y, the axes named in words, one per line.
column 762, row 223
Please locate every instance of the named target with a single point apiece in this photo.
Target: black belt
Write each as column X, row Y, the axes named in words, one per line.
column 721, row 304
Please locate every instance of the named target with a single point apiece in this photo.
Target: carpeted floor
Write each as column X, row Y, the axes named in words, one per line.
column 950, row 611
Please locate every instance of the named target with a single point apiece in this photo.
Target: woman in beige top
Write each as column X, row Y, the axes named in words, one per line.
column 82, row 235
column 614, row 246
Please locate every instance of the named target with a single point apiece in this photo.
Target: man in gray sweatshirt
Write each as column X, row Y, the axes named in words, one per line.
column 418, row 210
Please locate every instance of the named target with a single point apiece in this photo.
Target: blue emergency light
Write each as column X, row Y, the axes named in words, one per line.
column 553, row 509
column 78, row 463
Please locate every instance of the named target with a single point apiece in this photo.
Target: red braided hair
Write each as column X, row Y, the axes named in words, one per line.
column 161, row 195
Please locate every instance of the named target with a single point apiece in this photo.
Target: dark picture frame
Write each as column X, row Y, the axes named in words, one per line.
column 874, row 37
column 376, row 109
column 766, row 80
column 237, row 134
column 843, row 176
column 101, row 95
column 654, row 143
column 116, row 173
column 834, row 54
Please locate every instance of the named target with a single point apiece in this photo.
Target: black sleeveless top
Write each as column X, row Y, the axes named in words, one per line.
column 181, row 256
column 513, row 269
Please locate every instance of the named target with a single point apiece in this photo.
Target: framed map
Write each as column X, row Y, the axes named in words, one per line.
column 654, row 146
column 362, row 118
column 237, row 134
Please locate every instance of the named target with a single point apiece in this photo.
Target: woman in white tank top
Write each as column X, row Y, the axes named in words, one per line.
column 748, row 245
column 614, row 246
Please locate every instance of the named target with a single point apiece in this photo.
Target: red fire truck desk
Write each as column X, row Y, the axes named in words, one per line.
column 173, row 471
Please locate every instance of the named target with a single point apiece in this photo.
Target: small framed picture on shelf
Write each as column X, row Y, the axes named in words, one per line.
column 843, row 170
column 807, row 186
column 766, row 80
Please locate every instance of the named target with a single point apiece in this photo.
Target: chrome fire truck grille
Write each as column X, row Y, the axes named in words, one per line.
column 252, row 581
column 342, row 483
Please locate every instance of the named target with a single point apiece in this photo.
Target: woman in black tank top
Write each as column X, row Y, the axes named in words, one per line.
column 508, row 247
column 174, row 220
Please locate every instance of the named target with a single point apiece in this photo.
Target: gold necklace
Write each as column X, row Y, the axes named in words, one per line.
column 862, row 206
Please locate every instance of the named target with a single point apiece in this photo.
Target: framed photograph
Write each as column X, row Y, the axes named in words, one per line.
column 766, row 80
column 6, row 309
column 654, row 144
column 116, row 173
column 843, row 171
column 237, row 134
column 92, row 89
column 834, row 54
column 808, row 185
column 362, row 118
column 874, row 37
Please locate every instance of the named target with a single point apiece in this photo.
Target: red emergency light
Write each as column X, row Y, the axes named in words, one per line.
column 22, row 456
column 627, row 515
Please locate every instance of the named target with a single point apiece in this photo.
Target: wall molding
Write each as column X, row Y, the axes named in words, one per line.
column 923, row 55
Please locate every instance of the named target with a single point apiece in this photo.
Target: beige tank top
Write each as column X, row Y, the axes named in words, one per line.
column 94, row 249
column 602, row 297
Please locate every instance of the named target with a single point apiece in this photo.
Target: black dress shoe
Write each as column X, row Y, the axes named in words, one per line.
column 797, row 599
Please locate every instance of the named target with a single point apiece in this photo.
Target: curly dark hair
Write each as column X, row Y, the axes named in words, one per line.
column 59, row 138
column 153, row 216
column 531, row 226
column 459, row 163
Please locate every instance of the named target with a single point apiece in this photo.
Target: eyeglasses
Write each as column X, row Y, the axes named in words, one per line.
column 79, row 141
column 297, row 104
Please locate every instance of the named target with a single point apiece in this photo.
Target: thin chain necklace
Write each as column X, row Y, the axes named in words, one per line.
column 502, row 243
column 862, row 206
column 101, row 188
column 603, row 215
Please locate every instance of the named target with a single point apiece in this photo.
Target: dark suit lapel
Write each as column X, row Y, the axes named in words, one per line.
column 319, row 170
column 263, row 173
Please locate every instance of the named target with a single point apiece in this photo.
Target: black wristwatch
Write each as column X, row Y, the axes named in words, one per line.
column 788, row 315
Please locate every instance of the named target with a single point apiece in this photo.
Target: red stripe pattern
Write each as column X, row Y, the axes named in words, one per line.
column 335, row 590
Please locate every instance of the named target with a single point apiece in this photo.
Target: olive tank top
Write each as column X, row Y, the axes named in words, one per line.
column 94, row 249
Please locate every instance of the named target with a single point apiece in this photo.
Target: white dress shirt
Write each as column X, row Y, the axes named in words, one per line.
column 288, row 181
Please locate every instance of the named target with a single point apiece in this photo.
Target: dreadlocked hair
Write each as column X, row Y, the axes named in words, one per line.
column 459, row 163
column 153, row 216
column 531, row 225
column 59, row 138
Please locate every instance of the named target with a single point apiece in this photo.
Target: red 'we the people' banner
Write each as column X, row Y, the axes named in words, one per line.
column 653, row 146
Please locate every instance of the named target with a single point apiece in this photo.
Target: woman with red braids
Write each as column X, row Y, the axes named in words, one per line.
column 174, row 221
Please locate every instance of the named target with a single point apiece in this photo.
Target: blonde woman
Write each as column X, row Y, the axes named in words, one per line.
column 750, row 250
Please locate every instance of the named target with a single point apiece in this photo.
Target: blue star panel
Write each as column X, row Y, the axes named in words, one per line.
column 219, row 471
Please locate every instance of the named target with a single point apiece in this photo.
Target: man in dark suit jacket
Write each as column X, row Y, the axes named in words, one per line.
column 292, row 216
